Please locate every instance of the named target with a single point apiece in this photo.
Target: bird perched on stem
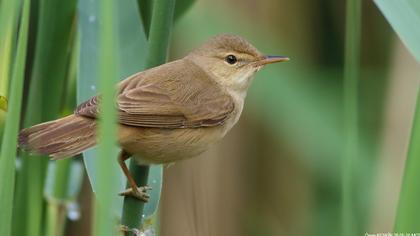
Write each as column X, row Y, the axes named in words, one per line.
column 167, row 113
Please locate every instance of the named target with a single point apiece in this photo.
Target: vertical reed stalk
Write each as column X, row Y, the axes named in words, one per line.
column 160, row 30
column 351, row 73
column 8, row 151
column 8, row 21
column 8, row 15
column 57, row 209
column 104, row 223
column 44, row 103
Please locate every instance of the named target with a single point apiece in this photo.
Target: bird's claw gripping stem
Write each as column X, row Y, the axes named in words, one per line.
column 139, row 193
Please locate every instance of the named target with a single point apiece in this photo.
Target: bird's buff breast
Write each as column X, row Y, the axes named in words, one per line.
column 157, row 146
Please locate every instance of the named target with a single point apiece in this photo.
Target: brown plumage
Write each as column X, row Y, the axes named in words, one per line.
column 147, row 99
column 151, row 99
column 167, row 113
column 60, row 138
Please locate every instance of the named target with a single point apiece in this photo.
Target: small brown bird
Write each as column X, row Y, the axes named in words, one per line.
column 167, row 113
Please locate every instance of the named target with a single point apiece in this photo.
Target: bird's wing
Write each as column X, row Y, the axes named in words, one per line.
column 174, row 95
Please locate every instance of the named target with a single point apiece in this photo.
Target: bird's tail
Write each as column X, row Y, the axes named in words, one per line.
column 60, row 138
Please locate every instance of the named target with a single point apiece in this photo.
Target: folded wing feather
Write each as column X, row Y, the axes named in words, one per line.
column 181, row 95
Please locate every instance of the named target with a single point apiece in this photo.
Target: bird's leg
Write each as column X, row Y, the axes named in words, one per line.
column 135, row 191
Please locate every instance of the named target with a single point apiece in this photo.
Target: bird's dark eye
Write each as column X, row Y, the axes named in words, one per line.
column 231, row 59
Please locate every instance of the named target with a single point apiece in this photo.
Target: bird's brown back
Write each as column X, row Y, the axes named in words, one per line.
column 175, row 95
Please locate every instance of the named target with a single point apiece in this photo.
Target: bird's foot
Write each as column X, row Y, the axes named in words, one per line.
column 139, row 193
column 127, row 231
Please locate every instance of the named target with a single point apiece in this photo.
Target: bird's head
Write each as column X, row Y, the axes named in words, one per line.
column 231, row 60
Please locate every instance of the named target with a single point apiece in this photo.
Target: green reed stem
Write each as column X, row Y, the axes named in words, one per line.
column 44, row 103
column 104, row 224
column 8, row 151
column 351, row 73
column 57, row 209
column 8, row 21
column 159, row 34
column 8, row 16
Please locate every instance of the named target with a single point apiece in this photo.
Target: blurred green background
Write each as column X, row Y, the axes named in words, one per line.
column 280, row 170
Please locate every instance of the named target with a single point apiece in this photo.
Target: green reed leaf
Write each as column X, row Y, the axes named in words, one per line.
column 8, row 151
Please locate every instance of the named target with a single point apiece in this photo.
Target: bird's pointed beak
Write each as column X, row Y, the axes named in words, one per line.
column 272, row 59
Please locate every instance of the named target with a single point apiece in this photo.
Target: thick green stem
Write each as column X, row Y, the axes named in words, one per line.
column 104, row 223
column 160, row 30
column 132, row 207
column 351, row 73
